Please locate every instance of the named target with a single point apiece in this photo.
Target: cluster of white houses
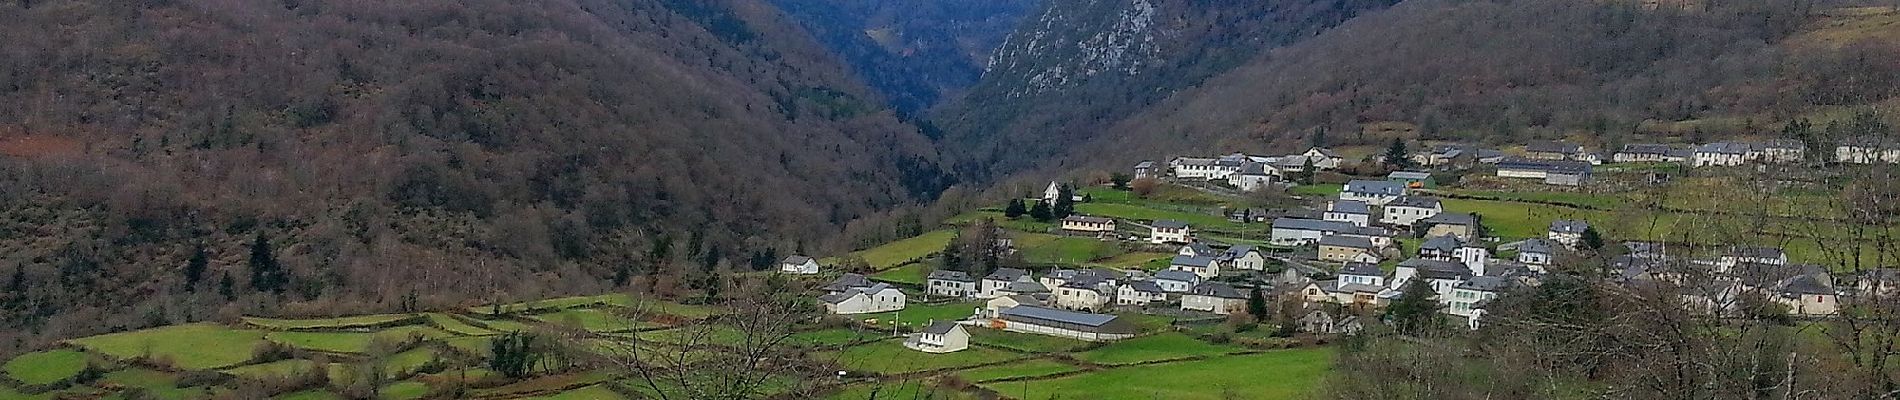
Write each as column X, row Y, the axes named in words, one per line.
column 1242, row 171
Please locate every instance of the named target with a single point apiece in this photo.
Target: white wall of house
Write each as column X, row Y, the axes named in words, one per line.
column 809, row 267
column 1294, row 237
column 1464, row 302
column 1211, row 304
column 1359, row 220
column 1406, row 216
column 951, row 288
column 1251, row 261
column 1866, row 155
column 1160, row 235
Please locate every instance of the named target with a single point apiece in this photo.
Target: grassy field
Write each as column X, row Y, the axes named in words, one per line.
column 890, row 357
column 1317, row 190
column 1024, row 224
column 917, row 315
column 909, row 274
column 1018, row 369
column 39, row 368
column 329, row 323
column 191, row 346
column 1285, row 374
column 405, row 390
column 837, row 337
column 1165, row 346
column 893, row 254
column 454, row 325
column 1025, row 342
column 273, row 369
column 158, row 384
column 595, row 392
column 906, row 390
column 1135, row 212
column 1070, row 251
column 593, row 320
column 352, row 342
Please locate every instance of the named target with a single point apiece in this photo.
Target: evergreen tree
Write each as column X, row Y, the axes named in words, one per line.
column 227, row 286
column 1065, row 202
column 952, row 258
column 1319, row 136
column 1041, row 212
column 1415, row 311
column 1120, row 180
column 1395, row 154
column 18, row 283
column 1591, row 239
column 195, row 268
column 1305, row 176
column 266, row 274
column 1256, row 305
column 1015, row 209
column 514, row 354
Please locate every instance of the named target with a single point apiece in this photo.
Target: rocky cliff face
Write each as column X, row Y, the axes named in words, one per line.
column 1068, row 44
column 915, row 53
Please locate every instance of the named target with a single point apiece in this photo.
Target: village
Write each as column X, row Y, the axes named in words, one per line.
column 1342, row 256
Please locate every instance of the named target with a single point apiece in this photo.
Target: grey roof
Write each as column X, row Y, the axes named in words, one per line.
column 1192, row 261
column 1553, row 146
column 1325, row 152
column 1291, row 162
column 1452, row 218
column 1756, row 252
column 848, row 293
column 1646, row 148
column 1239, row 250
column 1253, row 168
column 1309, row 224
column 1881, row 273
column 1145, row 164
column 1805, row 284
column 1569, row 226
column 1540, row 246
column 795, row 260
column 1386, row 188
column 1488, row 153
column 1679, row 153
column 1415, row 201
column 1177, row 275
column 1723, row 148
column 1336, row 287
column 1217, row 289
column 1194, row 160
column 1346, row 241
column 1145, row 286
column 834, row 298
column 1787, row 144
column 1361, row 269
column 1021, row 287
column 1200, row 248
column 1441, row 243
column 1871, row 142
column 1409, row 175
column 1050, row 314
column 1425, row 264
column 1170, row 224
column 1088, row 219
column 940, row 327
column 1483, row 283
column 1349, row 207
column 948, row 275
column 1006, row 274
column 847, row 281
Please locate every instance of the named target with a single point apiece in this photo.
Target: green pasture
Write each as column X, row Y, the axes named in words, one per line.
column 191, row 346
column 891, row 357
column 1285, row 374
column 1017, row 369
column 1158, row 347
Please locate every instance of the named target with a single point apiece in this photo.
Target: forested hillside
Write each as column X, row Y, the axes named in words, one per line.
column 164, row 159
column 1075, row 67
column 915, row 53
column 1483, row 70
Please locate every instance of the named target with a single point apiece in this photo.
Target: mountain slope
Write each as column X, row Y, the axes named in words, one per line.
column 1080, row 64
column 429, row 151
column 1508, row 71
column 913, row 52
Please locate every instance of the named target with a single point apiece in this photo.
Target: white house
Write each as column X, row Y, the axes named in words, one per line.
column 800, row 265
column 951, row 284
column 1408, row 210
column 1554, row 150
column 1722, row 154
column 1568, row 232
column 1538, row 252
column 1206, row 267
column 1194, row 168
column 1353, row 212
column 1063, row 323
column 1868, row 150
column 1175, row 281
column 1642, row 152
column 1362, row 274
column 877, row 297
column 1214, row 297
column 1782, row 151
column 1085, row 224
column 1441, row 276
column 1451, row 248
column 1372, row 192
column 1051, row 193
column 1245, row 257
column 939, row 337
column 1170, row 231
column 1253, row 176
column 995, row 281
column 1300, row 231
column 1145, row 169
column 1090, row 295
column 1323, row 158
column 1561, row 173
column 1138, row 293
column 1468, row 297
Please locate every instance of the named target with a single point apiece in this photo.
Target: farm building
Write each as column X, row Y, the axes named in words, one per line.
column 1353, row 212
column 1412, row 179
column 1214, row 297
column 800, row 265
column 1078, row 223
column 1372, row 192
column 1062, row 323
column 951, row 284
column 1170, row 231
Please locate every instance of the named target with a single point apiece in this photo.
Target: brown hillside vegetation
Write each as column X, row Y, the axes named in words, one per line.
column 1507, row 71
column 416, row 153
